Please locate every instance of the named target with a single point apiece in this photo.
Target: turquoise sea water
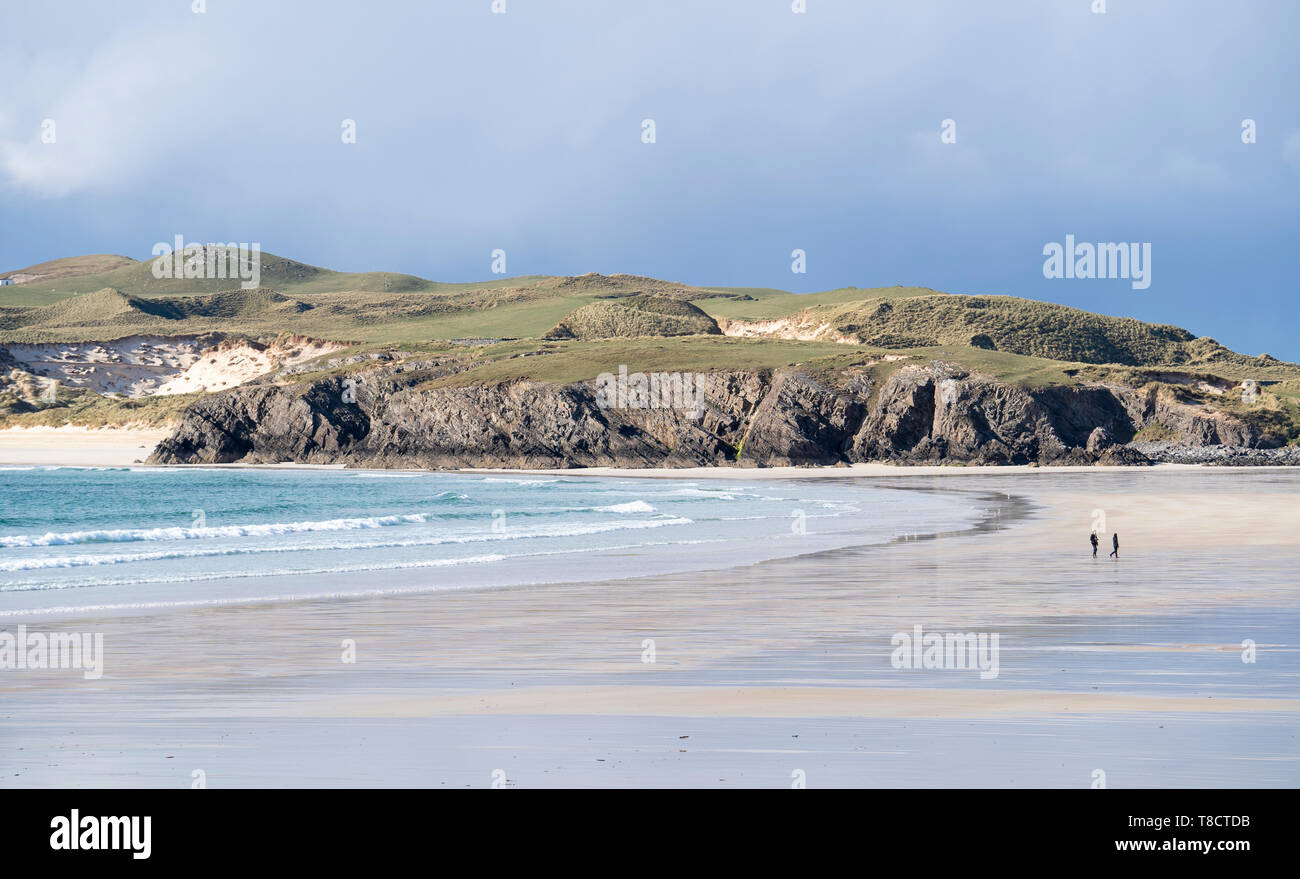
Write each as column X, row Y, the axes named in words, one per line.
column 103, row 540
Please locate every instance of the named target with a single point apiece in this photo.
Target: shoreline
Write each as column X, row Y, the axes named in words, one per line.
column 998, row 510
column 871, row 470
column 1181, row 517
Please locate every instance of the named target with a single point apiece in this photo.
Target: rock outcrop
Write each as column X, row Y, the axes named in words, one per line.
column 385, row 417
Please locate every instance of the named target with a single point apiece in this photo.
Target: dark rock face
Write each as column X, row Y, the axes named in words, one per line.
column 1122, row 456
column 800, row 422
column 932, row 414
column 1195, row 427
column 267, row 426
column 1099, row 440
column 942, row 414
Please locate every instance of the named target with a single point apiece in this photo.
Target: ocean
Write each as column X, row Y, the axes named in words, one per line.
column 106, row 540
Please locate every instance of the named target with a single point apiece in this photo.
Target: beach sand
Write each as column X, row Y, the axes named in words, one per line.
column 70, row 446
column 1133, row 666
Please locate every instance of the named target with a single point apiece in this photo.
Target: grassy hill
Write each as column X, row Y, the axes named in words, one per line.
column 597, row 322
column 762, row 303
column 1020, row 326
column 383, row 307
column 69, row 267
column 633, row 316
column 110, row 314
column 137, row 279
column 369, row 306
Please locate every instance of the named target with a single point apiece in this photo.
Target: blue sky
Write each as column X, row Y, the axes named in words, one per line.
column 774, row 131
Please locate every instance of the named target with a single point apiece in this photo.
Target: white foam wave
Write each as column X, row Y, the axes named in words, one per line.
column 321, row 595
column 94, row 560
column 130, row 535
column 629, row 507
column 702, row 492
column 277, row 572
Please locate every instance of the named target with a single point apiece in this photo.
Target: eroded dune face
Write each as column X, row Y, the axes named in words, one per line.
column 233, row 363
column 798, row 328
column 133, row 366
column 138, row 366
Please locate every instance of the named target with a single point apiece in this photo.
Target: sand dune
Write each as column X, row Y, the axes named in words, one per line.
column 138, row 366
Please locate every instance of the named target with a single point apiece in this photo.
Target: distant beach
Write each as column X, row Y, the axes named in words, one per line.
column 72, row 446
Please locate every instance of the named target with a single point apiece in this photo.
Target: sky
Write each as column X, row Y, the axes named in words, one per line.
column 822, row 131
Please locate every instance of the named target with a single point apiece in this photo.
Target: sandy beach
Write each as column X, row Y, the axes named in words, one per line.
column 71, row 446
column 1131, row 665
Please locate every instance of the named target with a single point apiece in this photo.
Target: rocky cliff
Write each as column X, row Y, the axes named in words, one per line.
column 395, row 416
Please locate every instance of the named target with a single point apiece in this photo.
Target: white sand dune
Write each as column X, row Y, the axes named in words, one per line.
column 132, row 366
column 229, row 365
column 137, row 366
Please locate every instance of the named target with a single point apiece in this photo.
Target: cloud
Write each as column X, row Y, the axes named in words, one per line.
column 112, row 121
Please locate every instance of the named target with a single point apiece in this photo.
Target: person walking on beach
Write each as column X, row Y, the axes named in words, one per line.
column 1093, row 538
column 1114, row 541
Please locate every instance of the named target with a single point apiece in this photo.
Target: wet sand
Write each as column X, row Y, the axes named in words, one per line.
column 1131, row 666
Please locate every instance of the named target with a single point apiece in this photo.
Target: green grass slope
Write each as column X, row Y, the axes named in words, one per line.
column 110, row 314
column 633, row 316
column 137, row 279
column 761, row 303
column 1019, row 326
column 68, row 267
column 370, row 306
